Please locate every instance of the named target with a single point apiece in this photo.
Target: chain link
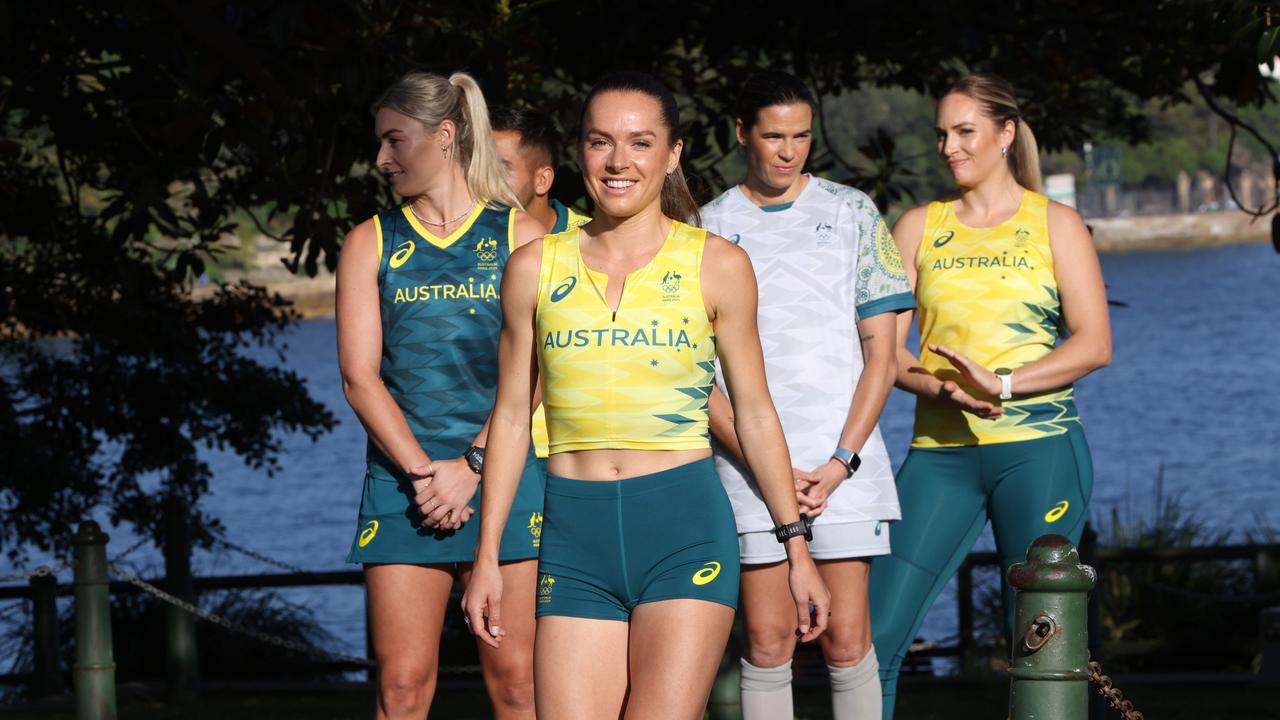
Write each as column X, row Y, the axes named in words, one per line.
column 234, row 627
column 261, row 558
column 38, row 572
column 1114, row 697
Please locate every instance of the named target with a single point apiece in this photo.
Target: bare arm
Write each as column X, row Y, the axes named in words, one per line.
column 508, row 438
column 721, row 418
column 526, row 229
column 729, row 290
column 879, row 348
column 360, row 352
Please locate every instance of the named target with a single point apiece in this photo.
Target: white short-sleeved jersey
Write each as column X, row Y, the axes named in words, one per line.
column 821, row 262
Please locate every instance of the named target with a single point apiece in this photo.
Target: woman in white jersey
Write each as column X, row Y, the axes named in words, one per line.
column 831, row 284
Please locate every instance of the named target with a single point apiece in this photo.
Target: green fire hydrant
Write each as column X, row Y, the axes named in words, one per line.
column 1049, row 663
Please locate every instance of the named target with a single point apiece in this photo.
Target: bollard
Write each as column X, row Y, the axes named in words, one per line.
column 44, row 615
column 1049, row 670
column 1269, row 626
column 180, row 626
column 94, row 672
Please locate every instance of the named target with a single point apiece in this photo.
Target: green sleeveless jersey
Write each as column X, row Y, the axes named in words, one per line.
column 440, row 321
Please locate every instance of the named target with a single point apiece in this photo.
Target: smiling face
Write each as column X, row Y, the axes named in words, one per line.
column 969, row 141
column 626, row 152
column 409, row 154
column 778, row 144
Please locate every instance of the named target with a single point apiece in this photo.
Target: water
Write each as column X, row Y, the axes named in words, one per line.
column 1190, row 395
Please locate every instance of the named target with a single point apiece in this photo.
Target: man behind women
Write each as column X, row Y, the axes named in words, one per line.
column 831, row 283
column 529, row 146
column 1012, row 312
column 418, row 319
column 623, row 319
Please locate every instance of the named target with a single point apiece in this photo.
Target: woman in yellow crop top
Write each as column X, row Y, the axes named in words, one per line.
column 1012, row 311
column 622, row 320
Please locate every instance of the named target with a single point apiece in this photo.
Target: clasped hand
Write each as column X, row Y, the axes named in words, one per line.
column 975, row 376
column 442, row 490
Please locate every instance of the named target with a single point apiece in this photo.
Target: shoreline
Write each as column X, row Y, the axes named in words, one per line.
column 314, row 297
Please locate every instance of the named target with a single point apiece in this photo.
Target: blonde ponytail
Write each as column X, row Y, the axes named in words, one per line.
column 431, row 99
column 995, row 95
column 1024, row 157
column 477, row 153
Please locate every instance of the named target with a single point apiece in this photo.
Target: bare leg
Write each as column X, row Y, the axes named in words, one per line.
column 508, row 670
column 676, row 646
column 580, row 668
column 848, row 636
column 406, row 611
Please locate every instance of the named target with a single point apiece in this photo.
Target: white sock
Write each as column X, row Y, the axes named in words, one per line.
column 766, row 692
column 855, row 691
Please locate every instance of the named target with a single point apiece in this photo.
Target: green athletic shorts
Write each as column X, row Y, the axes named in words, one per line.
column 390, row 526
column 610, row 545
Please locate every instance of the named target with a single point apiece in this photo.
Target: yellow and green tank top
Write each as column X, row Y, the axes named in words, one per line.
column 989, row 293
column 638, row 378
column 566, row 219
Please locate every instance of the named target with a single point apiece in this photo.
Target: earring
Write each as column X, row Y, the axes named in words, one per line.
column 1004, row 151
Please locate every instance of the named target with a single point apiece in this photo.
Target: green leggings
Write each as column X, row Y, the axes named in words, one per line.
column 1027, row 489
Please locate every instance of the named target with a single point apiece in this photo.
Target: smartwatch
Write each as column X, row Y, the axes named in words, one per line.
column 1006, row 382
column 795, row 529
column 849, row 459
column 475, row 458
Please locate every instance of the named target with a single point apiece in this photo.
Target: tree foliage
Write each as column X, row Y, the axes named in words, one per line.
column 135, row 132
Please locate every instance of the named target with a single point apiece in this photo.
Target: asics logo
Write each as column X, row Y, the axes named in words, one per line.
column 401, row 255
column 1055, row 514
column 706, row 574
column 564, row 288
column 366, row 535
column 944, row 238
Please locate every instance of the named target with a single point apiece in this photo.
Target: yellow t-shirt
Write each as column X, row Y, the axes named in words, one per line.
column 991, row 294
column 638, row 378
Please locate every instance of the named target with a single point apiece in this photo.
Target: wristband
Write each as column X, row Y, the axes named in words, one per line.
column 475, row 458
column 1006, row 382
column 795, row 529
column 849, row 459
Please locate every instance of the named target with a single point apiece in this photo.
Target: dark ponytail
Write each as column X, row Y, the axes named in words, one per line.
column 677, row 201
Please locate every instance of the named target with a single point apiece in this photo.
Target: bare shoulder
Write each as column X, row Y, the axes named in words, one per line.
column 1066, row 225
column 720, row 254
column 911, row 224
column 363, row 234
column 527, row 258
column 527, row 228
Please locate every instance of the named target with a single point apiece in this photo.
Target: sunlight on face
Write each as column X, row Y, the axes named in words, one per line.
column 626, row 152
column 969, row 142
column 408, row 154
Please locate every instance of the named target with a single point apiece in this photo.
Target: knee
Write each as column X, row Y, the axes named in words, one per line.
column 771, row 645
column 405, row 690
column 510, row 685
column 845, row 646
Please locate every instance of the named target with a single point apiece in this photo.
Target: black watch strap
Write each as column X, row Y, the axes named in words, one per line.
column 475, row 458
column 795, row 529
